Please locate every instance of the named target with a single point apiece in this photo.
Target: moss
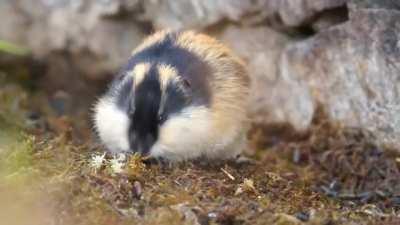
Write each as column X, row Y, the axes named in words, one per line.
column 16, row 160
column 51, row 176
column 11, row 48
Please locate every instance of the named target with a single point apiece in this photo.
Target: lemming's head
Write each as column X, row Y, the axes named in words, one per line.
column 159, row 101
column 139, row 104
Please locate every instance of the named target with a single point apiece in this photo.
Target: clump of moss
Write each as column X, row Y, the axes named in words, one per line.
column 16, row 147
column 12, row 48
column 16, row 159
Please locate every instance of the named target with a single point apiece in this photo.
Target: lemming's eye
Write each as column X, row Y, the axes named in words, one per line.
column 162, row 118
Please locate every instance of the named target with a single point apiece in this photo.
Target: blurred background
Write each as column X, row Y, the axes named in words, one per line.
column 308, row 59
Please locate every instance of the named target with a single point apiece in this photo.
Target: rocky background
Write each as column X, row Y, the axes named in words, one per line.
column 304, row 56
column 324, row 148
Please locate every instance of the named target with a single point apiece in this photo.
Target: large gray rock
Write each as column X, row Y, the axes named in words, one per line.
column 102, row 33
column 261, row 48
column 299, row 12
column 351, row 70
column 85, row 29
column 178, row 14
column 374, row 4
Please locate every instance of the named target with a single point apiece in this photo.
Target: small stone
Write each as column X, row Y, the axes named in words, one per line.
column 303, row 216
column 137, row 188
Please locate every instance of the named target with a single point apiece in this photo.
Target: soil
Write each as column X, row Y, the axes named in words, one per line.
column 328, row 175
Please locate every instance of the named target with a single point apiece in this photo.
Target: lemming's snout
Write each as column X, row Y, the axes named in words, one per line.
column 141, row 143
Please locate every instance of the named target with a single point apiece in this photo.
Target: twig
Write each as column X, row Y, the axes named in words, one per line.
column 228, row 174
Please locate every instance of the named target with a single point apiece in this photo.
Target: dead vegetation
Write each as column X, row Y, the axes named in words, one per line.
column 330, row 175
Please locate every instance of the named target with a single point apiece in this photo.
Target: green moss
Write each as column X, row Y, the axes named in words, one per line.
column 11, row 48
column 16, row 159
column 16, row 147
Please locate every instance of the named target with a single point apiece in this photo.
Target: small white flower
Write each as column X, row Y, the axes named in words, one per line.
column 117, row 163
column 97, row 161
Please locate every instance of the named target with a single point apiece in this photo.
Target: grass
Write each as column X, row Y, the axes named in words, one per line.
column 47, row 178
column 10, row 48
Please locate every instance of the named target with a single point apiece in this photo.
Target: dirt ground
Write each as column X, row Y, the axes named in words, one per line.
column 53, row 172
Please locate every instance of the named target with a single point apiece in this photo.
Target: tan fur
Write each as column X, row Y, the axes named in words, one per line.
column 139, row 72
column 229, row 77
column 220, row 130
column 167, row 74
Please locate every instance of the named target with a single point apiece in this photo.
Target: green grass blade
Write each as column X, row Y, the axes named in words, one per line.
column 10, row 48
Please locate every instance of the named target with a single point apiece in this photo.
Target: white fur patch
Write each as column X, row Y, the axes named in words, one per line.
column 190, row 134
column 112, row 125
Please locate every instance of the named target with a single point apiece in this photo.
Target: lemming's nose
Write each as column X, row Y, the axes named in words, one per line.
column 145, row 143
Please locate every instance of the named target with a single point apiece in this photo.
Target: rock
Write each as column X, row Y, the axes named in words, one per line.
column 299, row 12
column 179, row 14
column 374, row 4
column 261, row 48
column 183, row 14
column 351, row 70
column 330, row 18
column 102, row 33
column 60, row 102
column 84, row 29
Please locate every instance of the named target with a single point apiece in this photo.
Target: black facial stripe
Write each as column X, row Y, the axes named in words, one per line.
column 144, row 126
column 146, row 96
column 150, row 54
column 188, row 65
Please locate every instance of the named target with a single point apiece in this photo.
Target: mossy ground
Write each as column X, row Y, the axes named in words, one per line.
column 328, row 176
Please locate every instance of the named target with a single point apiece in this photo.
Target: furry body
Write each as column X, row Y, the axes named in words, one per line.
column 181, row 95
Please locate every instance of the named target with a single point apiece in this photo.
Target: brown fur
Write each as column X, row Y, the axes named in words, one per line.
column 139, row 72
column 229, row 82
column 229, row 85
